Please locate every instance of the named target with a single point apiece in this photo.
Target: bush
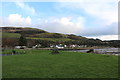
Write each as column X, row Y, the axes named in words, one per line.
column 55, row 51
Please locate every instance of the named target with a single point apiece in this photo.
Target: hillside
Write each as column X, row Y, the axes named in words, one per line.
column 15, row 32
column 21, row 30
column 11, row 35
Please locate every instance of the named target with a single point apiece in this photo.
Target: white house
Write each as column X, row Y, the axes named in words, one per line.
column 73, row 46
column 19, row 47
column 60, row 46
column 37, row 46
column 65, row 46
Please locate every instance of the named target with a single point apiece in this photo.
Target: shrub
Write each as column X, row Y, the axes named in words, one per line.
column 55, row 51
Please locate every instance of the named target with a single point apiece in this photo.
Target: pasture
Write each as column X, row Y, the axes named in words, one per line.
column 42, row 64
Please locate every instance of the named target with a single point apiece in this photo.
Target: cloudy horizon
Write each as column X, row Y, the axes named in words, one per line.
column 92, row 19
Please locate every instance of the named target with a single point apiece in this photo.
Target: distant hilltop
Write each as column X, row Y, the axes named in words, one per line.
column 21, row 29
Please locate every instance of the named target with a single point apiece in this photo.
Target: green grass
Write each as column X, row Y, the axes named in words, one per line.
column 52, row 39
column 17, row 50
column 42, row 64
column 10, row 35
column 51, row 35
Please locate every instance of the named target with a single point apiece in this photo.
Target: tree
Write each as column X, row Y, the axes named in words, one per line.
column 22, row 41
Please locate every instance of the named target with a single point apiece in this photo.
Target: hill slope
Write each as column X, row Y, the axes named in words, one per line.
column 38, row 36
column 36, row 33
column 21, row 30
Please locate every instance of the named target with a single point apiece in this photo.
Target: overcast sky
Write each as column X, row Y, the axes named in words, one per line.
column 89, row 18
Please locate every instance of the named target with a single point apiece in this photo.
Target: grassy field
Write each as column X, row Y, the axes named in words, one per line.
column 42, row 64
column 52, row 39
column 10, row 35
